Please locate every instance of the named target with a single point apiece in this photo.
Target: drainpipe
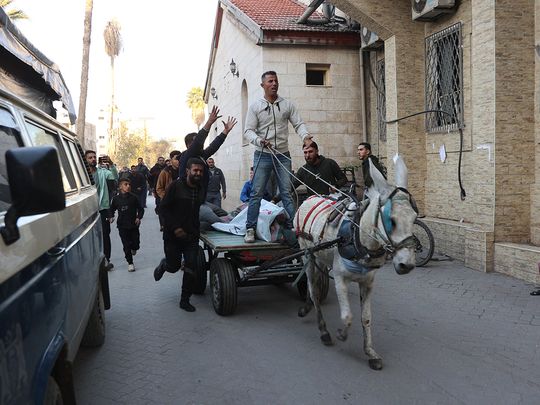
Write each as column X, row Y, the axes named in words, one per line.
column 304, row 19
column 363, row 104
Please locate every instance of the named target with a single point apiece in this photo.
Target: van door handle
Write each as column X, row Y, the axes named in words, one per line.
column 56, row 251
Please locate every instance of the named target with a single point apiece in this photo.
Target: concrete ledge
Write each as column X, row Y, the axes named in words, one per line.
column 463, row 242
column 516, row 260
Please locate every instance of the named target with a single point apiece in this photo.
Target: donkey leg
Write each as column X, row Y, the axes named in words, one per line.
column 310, row 268
column 375, row 361
column 342, row 292
column 314, row 278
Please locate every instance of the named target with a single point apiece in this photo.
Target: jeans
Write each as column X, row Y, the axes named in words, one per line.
column 263, row 165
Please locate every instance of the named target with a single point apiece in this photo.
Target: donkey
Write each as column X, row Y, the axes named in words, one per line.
column 369, row 231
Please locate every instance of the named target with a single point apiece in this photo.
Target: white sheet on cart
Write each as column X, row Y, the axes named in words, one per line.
column 267, row 213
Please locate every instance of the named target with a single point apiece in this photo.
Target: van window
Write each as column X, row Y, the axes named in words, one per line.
column 81, row 170
column 42, row 137
column 9, row 139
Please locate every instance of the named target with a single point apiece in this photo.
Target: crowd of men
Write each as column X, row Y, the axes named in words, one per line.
column 188, row 187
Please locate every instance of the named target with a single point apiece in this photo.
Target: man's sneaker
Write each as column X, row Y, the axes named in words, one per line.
column 186, row 306
column 131, row 267
column 160, row 270
column 133, row 252
column 108, row 265
column 250, row 236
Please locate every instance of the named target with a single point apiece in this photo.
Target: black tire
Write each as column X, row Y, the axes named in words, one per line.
column 425, row 244
column 94, row 335
column 53, row 395
column 324, row 286
column 223, row 286
column 201, row 277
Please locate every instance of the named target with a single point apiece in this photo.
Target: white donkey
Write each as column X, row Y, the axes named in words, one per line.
column 368, row 235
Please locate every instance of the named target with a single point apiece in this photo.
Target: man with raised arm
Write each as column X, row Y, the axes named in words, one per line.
column 267, row 128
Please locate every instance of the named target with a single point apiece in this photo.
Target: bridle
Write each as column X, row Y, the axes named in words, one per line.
column 382, row 237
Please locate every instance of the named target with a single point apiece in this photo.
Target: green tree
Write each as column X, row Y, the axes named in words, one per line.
column 195, row 102
column 129, row 146
column 14, row 14
column 81, row 118
column 156, row 149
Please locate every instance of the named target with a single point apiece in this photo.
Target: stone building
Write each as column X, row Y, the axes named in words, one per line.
column 476, row 62
column 318, row 69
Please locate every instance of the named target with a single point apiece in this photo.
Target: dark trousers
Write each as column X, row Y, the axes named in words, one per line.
column 142, row 197
column 214, row 198
column 175, row 249
column 106, row 229
column 130, row 241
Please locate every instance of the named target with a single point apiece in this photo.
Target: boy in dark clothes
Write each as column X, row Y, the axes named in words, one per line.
column 130, row 213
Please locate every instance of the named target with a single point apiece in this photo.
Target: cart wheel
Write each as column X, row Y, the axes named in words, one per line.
column 200, row 275
column 324, row 286
column 223, row 285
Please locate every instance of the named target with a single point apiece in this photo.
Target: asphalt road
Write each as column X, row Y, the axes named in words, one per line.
column 447, row 335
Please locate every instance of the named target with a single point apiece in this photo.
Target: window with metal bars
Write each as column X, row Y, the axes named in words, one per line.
column 381, row 101
column 444, row 80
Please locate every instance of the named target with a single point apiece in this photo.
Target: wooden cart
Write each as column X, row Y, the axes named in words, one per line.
column 247, row 264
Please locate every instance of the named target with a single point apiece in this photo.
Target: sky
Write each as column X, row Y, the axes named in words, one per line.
column 166, row 47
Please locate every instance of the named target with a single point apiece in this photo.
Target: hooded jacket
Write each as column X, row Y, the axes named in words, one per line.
column 270, row 121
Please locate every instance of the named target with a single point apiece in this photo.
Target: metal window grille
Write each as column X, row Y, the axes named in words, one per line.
column 444, row 79
column 381, row 101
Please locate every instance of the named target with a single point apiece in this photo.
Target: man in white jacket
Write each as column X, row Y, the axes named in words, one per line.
column 267, row 126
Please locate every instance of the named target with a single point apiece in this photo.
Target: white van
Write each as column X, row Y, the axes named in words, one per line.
column 53, row 284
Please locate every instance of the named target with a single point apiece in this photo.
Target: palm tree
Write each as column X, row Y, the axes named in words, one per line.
column 16, row 14
column 81, row 118
column 113, row 46
column 195, row 101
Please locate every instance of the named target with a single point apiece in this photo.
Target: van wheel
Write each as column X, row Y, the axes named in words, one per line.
column 94, row 335
column 53, row 396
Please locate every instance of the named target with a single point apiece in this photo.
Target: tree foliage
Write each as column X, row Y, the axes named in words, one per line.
column 130, row 145
column 195, row 102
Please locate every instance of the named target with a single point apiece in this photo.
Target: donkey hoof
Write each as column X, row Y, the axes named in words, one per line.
column 302, row 311
column 326, row 339
column 341, row 335
column 375, row 364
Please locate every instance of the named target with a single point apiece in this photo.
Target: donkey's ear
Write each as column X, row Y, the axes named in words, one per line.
column 379, row 182
column 401, row 171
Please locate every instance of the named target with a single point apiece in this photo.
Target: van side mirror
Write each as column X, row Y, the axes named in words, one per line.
column 35, row 183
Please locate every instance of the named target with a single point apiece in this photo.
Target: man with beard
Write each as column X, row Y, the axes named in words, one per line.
column 154, row 173
column 364, row 154
column 180, row 210
column 319, row 167
column 166, row 177
column 138, row 184
column 103, row 177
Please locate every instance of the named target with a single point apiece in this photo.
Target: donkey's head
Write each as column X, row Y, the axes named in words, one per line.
column 392, row 216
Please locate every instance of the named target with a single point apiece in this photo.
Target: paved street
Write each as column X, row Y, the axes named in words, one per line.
column 447, row 335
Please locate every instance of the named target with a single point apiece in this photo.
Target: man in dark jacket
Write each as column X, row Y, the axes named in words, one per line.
column 195, row 143
column 364, row 154
column 216, row 184
column 138, row 184
column 180, row 211
column 319, row 167
column 154, row 173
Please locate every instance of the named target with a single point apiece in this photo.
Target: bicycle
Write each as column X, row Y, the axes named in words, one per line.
column 425, row 243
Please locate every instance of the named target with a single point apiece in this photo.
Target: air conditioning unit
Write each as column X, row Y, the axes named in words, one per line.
column 429, row 10
column 370, row 40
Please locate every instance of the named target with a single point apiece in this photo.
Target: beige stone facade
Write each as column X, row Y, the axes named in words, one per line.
column 497, row 224
column 331, row 112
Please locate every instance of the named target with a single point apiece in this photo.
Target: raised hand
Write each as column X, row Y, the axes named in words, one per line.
column 231, row 122
column 214, row 115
